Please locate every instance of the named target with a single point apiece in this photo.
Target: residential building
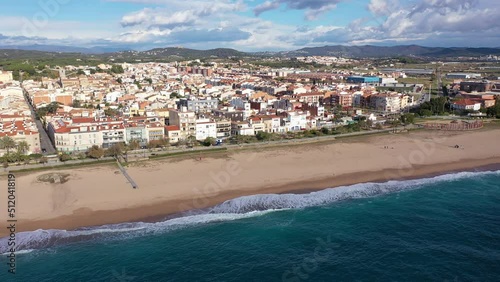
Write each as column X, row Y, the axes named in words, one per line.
column 242, row 128
column 72, row 136
column 343, row 99
column 205, row 128
column 466, row 104
column 198, row 105
column 173, row 133
column 295, row 120
column 185, row 120
column 223, row 128
column 386, row 102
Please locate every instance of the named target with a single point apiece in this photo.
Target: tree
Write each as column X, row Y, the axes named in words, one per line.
column 117, row 69
column 174, row 95
column 209, row 141
column 5, row 165
column 80, row 72
column 325, row 130
column 110, row 112
column 64, row 157
column 133, row 144
column 115, row 150
column 407, row 119
column 263, row 136
column 7, row 143
column 43, row 160
column 139, row 86
column 76, row 104
column 23, row 147
column 96, row 152
column 426, row 113
column 494, row 111
column 119, row 80
column 191, row 140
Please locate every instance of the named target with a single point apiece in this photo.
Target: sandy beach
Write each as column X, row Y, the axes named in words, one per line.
column 100, row 195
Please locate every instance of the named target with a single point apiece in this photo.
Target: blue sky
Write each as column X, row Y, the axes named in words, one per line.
column 249, row 25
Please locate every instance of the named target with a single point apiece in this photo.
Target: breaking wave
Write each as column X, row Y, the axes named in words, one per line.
column 235, row 209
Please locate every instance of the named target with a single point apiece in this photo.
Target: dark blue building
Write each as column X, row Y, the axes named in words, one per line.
column 364, row 79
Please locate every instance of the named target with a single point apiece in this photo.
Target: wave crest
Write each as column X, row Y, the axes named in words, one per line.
column 238, row 208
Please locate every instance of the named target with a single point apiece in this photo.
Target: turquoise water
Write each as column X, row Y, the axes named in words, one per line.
column 445, row 228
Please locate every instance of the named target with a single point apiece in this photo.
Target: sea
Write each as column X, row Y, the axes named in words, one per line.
column 439, row 228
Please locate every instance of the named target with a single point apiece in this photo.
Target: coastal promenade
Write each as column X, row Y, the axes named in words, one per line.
column 145, row 154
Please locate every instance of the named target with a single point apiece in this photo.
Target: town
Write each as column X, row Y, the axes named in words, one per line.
column 83, row 111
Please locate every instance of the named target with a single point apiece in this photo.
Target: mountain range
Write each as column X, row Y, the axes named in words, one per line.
column 177, row 53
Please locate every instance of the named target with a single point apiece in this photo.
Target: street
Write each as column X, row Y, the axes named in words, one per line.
column 44, row 137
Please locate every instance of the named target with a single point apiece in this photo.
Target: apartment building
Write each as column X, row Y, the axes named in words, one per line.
column 272, row 123
column 295, row 120
column 343, row 99
column 205, row 128
column 386, row 102
column 313, row 97
column 185, row 120
column 112, row 133
column 242, row 128
column 74, row 135
column 223, row 128
column 136, row 131
column 20, row 129
column 173, row 133
column 198, row 105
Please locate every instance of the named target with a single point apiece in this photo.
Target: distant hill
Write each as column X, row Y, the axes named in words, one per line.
column 192, row 53
column 370, row 51
column 65, row 54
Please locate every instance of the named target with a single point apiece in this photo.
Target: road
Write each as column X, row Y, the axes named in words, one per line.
column 44, row 137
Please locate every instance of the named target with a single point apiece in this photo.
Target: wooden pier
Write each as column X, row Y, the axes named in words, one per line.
column 124, row 172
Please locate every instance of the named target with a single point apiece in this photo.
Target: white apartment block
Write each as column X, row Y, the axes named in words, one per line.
column 295, row 120
column 242, row 128
column 205, row 128
column 68, row 137
column 386, row 102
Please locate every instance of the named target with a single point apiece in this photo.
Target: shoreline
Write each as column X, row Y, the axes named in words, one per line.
column 101, row 195
column 161, row 211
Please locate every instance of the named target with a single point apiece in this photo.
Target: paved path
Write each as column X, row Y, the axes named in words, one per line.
column 145, row 154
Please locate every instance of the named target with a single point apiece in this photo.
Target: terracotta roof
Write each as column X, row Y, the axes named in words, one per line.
column 172, row 128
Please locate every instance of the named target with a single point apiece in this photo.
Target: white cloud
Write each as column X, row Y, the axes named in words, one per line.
column 313, row 8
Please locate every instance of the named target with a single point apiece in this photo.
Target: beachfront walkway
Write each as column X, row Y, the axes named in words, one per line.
column 139, row 155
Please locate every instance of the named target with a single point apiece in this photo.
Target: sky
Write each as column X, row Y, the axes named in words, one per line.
column 249, row 25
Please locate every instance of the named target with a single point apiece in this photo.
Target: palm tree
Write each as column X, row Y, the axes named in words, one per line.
column 7, row 143
column 23, row 147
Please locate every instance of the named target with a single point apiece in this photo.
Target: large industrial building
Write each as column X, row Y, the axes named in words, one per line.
column 364, row 79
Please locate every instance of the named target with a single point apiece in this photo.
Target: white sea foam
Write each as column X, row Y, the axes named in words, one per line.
column 235, row 209
column 21, row 252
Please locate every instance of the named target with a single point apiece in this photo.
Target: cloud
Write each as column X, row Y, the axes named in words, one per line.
column 158, row 18
column 212, row 35
column 179, row 14
column 382, row 7
column 313, row 8
column 266, row 6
